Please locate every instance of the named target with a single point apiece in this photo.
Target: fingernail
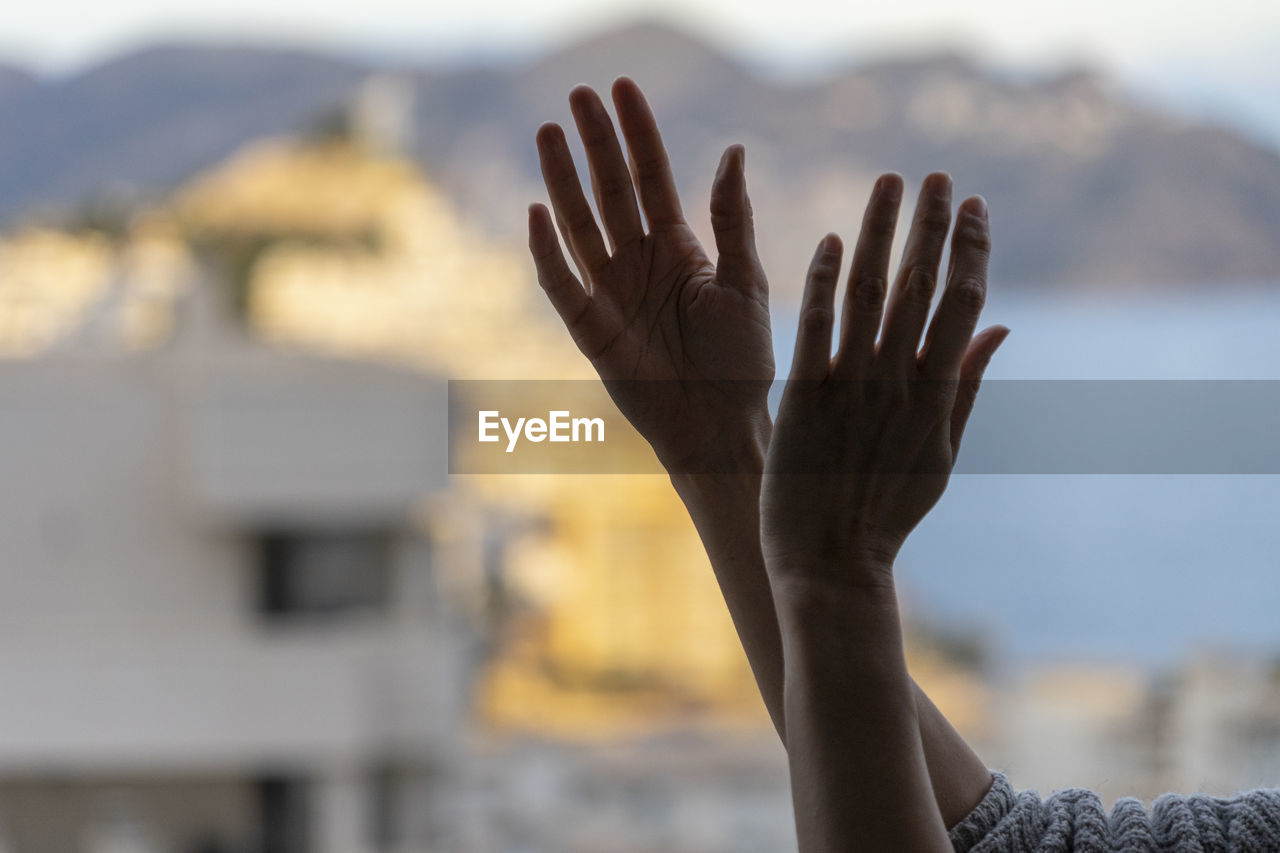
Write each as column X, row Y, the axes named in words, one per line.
column 830, row 244
column 977, row 205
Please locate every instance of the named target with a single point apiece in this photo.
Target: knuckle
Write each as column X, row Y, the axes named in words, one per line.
column 896, row 393
column 651, row 163
column 824, row 268
column 580, row 220
column 816, row 319
column 919, row 287
column 726, row 204
column 613, row 185
column 819, row 287
column 868, row 293
column 934, row 219
column 596, row 135
column 975, row 235
column 562, row 173
column 969, row 295
column 883, row 222
column 725, row 218
column 729, row 232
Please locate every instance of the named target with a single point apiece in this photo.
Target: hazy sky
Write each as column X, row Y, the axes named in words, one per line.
column 1219, row 56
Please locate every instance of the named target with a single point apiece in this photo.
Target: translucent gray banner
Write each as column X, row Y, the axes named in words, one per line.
column 1017, row 426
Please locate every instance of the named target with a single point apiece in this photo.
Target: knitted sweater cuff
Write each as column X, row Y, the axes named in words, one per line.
column 1074, row 819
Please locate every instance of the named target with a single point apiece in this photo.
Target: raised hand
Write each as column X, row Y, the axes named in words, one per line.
column 682, row 344
column 866, row 441
column 862, row 449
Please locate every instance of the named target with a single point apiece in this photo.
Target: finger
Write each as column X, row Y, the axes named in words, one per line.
column 868, row 278
column 812, row 359
column 577, row 221
column 966, row 292
column 654, row 180
column 908, row 307
column 610, row 179
column 563, row 289
column 976, row 359
column 731, row 211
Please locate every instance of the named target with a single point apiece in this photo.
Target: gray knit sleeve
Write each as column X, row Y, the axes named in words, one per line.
column 1074, row 821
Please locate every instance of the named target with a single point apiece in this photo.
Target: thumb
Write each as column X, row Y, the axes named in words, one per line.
column 731, row 210
column 976, row 358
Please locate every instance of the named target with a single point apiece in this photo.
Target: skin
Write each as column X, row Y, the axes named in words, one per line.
column 650, row 304
column 863, row 447
column 660, row 322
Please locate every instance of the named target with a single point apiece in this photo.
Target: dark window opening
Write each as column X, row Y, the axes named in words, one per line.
column 322, row 573
column 282, row 815
column 384, row 816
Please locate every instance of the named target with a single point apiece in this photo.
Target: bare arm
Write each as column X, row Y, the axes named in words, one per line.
column 859, row 780
column 862, row 449
column 725, row 509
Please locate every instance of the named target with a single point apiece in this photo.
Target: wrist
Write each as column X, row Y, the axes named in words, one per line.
column 728, row 456
column 725, row 506
column 863, row 583
column 733, row 452
column 864, row 563
column 839, row 622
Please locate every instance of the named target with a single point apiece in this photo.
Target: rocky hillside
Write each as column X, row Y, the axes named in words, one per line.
column 1087, row 186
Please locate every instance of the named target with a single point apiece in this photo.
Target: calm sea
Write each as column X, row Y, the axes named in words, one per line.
column 1144, row 569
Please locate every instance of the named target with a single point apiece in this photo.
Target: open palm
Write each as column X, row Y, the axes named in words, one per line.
column 866, row 440
column 682, row 343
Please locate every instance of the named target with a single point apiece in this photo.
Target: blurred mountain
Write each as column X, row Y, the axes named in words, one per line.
column 14, row 81
column 1086, row 185
column 152, row 118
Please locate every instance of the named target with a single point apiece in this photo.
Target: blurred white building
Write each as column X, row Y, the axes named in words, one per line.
column 679, row 792
column 224, row 617
column 1212, row 725
column 1223, row 724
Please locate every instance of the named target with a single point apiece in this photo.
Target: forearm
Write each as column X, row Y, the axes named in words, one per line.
column 725, row 509
column 958, row 776
column 858, row 772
